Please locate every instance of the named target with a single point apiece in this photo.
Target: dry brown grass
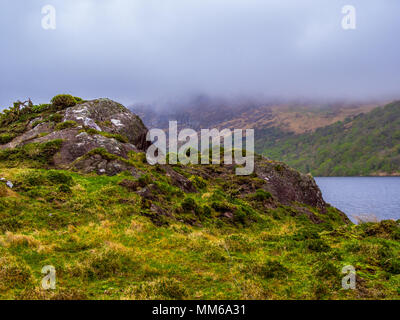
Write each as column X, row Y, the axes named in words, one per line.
column 6, row 191
column 14, row 240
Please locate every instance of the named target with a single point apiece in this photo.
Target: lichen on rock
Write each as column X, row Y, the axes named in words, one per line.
column 83, row 127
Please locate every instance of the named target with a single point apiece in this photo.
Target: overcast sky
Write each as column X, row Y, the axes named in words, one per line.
column 144, row 50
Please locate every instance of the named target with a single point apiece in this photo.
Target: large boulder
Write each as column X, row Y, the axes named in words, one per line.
column 109, row 116
column 288, row 185
column 98, row 124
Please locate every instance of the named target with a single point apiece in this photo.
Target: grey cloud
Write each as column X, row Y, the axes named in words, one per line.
column 143, row 50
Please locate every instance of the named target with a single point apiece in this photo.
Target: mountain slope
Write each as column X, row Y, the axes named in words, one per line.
column 285, row 118
column 368, row 144
column 330, row 139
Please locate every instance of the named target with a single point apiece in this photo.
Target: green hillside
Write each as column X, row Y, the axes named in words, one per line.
column 367, row 144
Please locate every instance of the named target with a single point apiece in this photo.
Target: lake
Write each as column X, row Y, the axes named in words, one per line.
column 378, row 196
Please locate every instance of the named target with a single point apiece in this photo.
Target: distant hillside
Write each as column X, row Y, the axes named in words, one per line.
column 322, row 138
column 266, row 118
column 366, row 144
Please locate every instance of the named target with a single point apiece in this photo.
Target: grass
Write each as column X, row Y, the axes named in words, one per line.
column 65, row 125
column 31, row 154
column 119, row 137
column 106, row 243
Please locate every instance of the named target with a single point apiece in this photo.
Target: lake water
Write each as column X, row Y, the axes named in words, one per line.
column 378, row 196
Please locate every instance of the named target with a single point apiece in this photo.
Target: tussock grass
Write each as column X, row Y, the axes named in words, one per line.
column 106, row 243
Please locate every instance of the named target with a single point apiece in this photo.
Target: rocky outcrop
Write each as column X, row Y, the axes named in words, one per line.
column 102, row 165
column 288, row 185
column 95, row 124
column 109, row 116
column 98, row 135
column 179, row 180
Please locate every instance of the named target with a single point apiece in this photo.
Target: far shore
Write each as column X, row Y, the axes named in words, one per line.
column 380, row 175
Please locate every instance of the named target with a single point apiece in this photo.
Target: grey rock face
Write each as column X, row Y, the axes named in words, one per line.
column 77, row 144
column 289, row 185
column 103, row 115
column 96, row 163
column 28, row 136
column 109, row 116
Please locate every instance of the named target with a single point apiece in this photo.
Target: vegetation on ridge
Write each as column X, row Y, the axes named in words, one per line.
column 17, row 119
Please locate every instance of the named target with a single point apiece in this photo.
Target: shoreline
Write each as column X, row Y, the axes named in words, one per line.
column 397, row 175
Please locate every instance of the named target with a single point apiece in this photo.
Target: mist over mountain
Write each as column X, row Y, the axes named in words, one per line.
column 324, row 138
column 133, row 51
column 297, row 116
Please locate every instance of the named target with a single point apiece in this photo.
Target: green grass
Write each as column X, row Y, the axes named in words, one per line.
column 66, row 125
column 31, row 155
column 116, row 136
column 106, row 243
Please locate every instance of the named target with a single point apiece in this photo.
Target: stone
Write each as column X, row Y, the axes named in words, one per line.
column 102, row 115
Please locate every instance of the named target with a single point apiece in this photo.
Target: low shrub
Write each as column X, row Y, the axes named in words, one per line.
column 64, row 189
column 214, row 253
column 119, row 137
column 306, row 234
column 160, row 289
column 189, row 204
column 36, row 123
column 56, row 117
column 33, row 178
column 240, row 216
column 59, row 177
column 172, row 289
column 79, row 100
column 384, row 229
column 90, row 131
column 317, row 245
column 36, row 152
column 270, row 269
column 6, row 138
column 221, row 206
column 40, row 108
column 49, row 148
column 44, row 178
column 144, row 180
column 198, row 182
column 327, row 270
column 63, row 101
column 66, row 125
column 35, row 293
column 206, row 211
column 262, row 195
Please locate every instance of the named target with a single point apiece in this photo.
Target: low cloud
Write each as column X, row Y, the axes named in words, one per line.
column 143, row 50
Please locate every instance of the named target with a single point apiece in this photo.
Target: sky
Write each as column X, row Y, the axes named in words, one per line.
column 146, row 50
